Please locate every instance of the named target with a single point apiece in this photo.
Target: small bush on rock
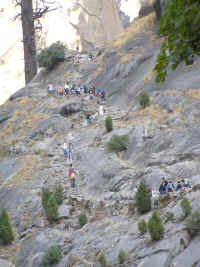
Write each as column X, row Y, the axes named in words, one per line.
column 168, row 216
column 155, row 226
column 51, row 55
column 186, row 207
column 82, row 219
column 6, row 231
column 52, row 209
column 131, row 207
column 142, row 226
column 46, row 194
column 109, row 124
column 144, row 100
column 193, row 224
column 122, row 256
column 102, row 260
column 118, row 143
column 59, row 196
column 52, row 256
column 143, row 199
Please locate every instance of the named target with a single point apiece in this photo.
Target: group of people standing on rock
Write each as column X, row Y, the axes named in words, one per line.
column 168, row 186
column 68, row 151
column 74, row 90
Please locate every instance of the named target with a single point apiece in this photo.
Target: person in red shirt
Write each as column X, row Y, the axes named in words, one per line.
column 72, row 176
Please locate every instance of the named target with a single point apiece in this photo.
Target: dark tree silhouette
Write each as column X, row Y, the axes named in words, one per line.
column 29, row 14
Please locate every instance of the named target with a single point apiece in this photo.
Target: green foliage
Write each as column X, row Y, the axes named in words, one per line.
column 52, row 209
column 193, row 224
column 6, row 231
column 122, row 256
column 46, row 194
column 142, row 227
column 118, row 143
column 186, row 207
column 143, row 199
column 144, row 99
column 102, row 260
column 52, row 256
column 155, row 226
column 181, row 25
column 59, row 196
column 82, row 219
column 51, row 55
column 108, row 124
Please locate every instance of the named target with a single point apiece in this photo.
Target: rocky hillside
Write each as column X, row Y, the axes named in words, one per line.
column 164, row 141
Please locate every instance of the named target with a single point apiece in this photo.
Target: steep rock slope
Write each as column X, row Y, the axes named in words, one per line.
column 164, row 141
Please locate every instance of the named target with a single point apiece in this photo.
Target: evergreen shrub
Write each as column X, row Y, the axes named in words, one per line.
column 122, row 256
column 109, row 124
column 144, row 100
column 118, row 143
column 46, row 194
column 52, row 209
column 193, row 224
column 82, row 219
column 186, row 207
column 143, row 199
column 102, row 260
column 142, row 226
column 52, row 256
column 51, row 56
column 155, row 226
column 6, row 231
column 59, row 196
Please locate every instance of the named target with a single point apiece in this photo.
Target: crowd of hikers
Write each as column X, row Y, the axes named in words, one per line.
column 74, row 90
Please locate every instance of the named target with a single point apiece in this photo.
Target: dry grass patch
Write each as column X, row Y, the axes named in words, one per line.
column 192, row 95
column 9, row 252
column 138, row 26
column 26, row 172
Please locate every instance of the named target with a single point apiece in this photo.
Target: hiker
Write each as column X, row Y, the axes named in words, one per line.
column 162, row 188
column 90, row 58
column 71, row 149
column 185, row 183
column 65, row 150
column 149, row 190
column 179, row 186
column 50, row 88
column 85, row 89
column 72, row 176
column 77, row 48
column 60, row 90
column 78, row 91
column 170, row 187
column 99, row 92
column 103, row 95
column 89, row 118
column 101, row 111
column 66, row 89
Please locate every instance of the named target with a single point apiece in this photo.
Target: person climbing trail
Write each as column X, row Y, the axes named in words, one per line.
column 101, row 111
column 72, row 176
column 65, row 150
column 71, row 149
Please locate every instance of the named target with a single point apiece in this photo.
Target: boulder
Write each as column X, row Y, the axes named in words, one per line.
column 69, row 108
column 63, row 212
column 4, row 263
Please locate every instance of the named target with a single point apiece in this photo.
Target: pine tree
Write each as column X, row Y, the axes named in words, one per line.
column 52, row 209
column 46, row 194
column 6, row 231
column 155, row 226
column 143, row 199
column 59, row 196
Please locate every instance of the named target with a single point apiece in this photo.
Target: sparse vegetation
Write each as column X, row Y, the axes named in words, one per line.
column 102, row 260
column 122, row 256
column 186, row 207
column 143, row 199
column 82, row 219
column 144, row 100
column 193, row 224
column 109, row 124
column 168, row 216
column 46, row 194
column 59, row 196
column 118, row 143
column 142, row 227
column 51, row 55
column 6, row 231
column 155, row 226
column 51, row 256
column 52, row 209
column 131, row 207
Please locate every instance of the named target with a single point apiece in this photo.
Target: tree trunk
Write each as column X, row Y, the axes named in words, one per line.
column 30, row 65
